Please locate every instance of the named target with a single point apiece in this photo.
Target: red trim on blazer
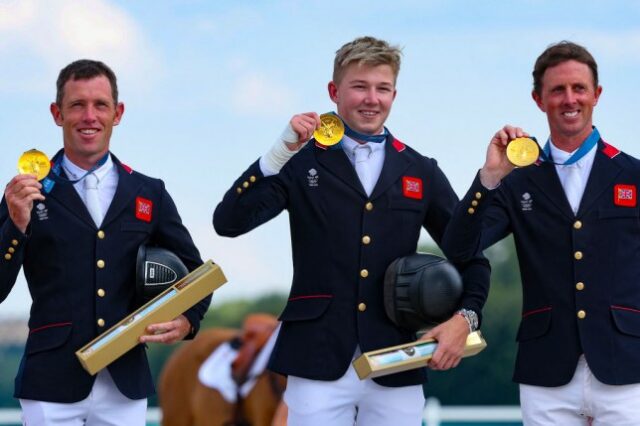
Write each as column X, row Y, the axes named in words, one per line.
column 311, row 296
column 624, row 308
column 56, row 324
column 399, row 146
column 126, row 168
column 610, row 150
column 319, row 145
column 536, row 311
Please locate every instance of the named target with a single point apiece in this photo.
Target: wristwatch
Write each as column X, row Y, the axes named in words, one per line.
column 471, row 317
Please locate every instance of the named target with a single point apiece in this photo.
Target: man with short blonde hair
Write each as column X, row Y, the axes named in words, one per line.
column 354, row 207
column 367, row 51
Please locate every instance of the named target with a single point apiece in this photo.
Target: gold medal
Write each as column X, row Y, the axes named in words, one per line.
column 522, row 152
column 34, row 162
column 331, row 130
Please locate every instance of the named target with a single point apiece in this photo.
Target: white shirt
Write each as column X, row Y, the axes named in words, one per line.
column 376, row 159
column 107, row 175
column 582, row 169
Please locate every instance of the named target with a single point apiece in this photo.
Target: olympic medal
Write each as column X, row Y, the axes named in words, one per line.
column 331, row 130
column 34, row 162
column 522, row 152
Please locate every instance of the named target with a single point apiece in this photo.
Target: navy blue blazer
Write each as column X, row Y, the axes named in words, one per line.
column 82, row 281
column 580, row 272
column 342, row 243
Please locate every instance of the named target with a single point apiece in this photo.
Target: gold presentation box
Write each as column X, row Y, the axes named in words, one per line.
column 408, row 356
column 168, row 305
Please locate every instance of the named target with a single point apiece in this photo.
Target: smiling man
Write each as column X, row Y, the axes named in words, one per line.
column 574, row 215
column 78, row 248
column 354, row 207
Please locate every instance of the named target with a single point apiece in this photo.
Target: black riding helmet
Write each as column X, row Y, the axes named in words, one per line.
column 421, row 291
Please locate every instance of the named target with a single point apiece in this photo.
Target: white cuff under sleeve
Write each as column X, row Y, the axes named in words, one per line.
column 279, row 154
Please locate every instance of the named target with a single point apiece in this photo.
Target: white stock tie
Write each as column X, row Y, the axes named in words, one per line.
column 362, row 154
column 93, row 198
column 573, row 187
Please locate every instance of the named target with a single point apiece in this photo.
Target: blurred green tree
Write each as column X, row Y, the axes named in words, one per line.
column 485, row 379
column 482, row 379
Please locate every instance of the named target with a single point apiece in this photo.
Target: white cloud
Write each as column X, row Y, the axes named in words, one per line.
column 256, row 93
column 52, row 34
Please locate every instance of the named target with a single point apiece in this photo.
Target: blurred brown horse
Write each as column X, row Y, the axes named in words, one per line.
column 187, row 402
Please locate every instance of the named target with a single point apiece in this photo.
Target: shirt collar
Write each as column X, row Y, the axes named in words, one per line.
column 560, row 156
column 349, row 145
column 77, row 172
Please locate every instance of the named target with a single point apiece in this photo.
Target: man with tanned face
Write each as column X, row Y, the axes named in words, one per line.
column 79, row 259
column 574, row 216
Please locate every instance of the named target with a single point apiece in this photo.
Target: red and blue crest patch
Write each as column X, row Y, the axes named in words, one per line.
column 625, row 195
column 412, row 187
column 144, row 209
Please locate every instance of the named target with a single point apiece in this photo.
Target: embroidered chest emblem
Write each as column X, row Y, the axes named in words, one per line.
column 412, row 187
column 144, row 209
column 312, row 177
column 42, row 212
column 526, row 202
column 624, row 195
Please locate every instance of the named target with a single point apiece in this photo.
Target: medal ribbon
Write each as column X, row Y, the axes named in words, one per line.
column 586, row 146
column 361, row 136
column 49, row 182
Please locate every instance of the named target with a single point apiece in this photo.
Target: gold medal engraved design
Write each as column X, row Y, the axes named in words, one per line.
column 331, row 130
column 522, row 152
column 34, row 162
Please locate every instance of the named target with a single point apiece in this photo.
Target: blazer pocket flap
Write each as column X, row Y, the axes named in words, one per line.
column 48, row 337
column 401, row 204
column 135, row 227
column 303, row 308
column 627, row 320
column 614, row 212
column 534, row 325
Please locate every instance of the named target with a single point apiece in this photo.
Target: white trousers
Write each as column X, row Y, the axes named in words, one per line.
column 105, row 406
column 350, row 401
column 583, row 401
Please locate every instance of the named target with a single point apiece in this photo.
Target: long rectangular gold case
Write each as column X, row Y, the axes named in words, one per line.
column 408, row 356
column 169, row 304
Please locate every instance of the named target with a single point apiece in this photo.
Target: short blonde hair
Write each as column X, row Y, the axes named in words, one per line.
column 366, row 51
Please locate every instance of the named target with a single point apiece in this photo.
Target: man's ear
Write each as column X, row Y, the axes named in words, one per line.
column 333, row 91
column 538, row 100
column 119, row 113
column 56, row 113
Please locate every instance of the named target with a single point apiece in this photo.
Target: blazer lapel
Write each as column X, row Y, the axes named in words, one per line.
column 128, row 187
column 545, row 177
column 395, row 163
column 603, row 171
column 68, row 197
column 336, row 162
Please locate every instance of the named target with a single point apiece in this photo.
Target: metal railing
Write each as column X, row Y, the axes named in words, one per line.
column 434, row 414
column 11, row 416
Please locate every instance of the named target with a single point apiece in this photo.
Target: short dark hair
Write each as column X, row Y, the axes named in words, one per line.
column 558, row 53
column 85, row 69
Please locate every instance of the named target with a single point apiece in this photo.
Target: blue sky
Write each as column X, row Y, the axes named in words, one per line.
column 209, row 85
